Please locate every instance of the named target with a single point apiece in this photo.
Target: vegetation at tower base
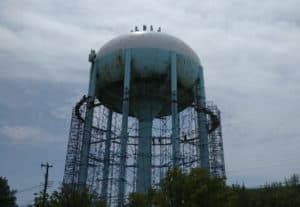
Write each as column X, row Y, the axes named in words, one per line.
column 198, row 189
column 279, row 194
column 67, row 196
column 7, row 196
column 194, row 189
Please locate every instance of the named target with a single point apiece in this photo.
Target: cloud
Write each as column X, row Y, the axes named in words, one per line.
column 25, row 134
column 249, row 50
column 43, row 41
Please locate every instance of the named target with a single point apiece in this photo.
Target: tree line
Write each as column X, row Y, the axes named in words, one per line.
column 198, row 189
column 178, row 189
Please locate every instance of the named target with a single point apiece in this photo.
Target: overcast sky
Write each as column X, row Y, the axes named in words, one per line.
column 250, row 51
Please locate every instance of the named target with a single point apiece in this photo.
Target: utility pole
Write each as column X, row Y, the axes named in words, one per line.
column 47, row 166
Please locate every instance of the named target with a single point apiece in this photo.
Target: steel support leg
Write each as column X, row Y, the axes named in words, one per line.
column 175, row 118
column 86, row 140
column 105, row 171
column 144, row 156
column 124, row 135
column 202, row 122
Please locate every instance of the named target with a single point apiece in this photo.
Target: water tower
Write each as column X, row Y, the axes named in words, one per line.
column 145, row 111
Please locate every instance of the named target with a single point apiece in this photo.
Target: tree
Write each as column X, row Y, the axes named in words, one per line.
column 7, row 196
column 294, row 181
column 138, row 200
column 67, row 196
column 276, row 194
column 38, row 201
column 194, row 189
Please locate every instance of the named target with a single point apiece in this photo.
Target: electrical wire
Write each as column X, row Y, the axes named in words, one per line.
column 29, row 188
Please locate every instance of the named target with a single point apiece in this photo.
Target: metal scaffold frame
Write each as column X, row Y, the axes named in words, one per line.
column 105, row 156
column 216, row 149
column 73, row 150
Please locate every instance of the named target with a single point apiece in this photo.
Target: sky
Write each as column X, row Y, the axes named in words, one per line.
column 250, row 51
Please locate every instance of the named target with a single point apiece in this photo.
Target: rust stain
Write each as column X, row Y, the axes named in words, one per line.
column 119, row 61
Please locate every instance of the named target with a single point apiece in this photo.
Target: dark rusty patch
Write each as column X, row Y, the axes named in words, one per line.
column 105, row 73
column 133, row 68
column 119, row 61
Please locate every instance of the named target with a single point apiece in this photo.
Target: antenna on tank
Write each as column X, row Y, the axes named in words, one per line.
column 92, row 55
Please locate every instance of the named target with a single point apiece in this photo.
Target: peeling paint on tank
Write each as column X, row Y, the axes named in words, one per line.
column 146, row 64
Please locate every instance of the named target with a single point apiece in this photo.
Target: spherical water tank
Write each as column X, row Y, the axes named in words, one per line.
column 150, row 73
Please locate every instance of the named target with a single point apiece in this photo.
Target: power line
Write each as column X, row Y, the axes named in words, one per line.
column 29, row 188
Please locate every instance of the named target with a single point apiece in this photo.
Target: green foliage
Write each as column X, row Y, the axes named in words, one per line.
column 7, row 196
column 138, row 200
column 199, row 189
column 38, row 201
column 270, row 195
column 195, row 189
column 67, row 196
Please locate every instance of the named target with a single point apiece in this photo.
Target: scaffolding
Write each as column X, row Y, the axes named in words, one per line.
column 105, row 151
column 73, row 150
column 216, row 149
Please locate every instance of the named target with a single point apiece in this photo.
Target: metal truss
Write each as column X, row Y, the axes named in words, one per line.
column 105, row 151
